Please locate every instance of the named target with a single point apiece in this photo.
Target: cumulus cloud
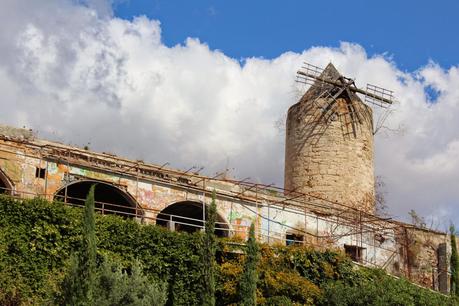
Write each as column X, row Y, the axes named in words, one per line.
column 75, row 73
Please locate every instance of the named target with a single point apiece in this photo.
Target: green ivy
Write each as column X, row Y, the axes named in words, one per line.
column 38, row 238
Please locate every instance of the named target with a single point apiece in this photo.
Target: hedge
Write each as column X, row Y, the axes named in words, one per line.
column 37, row 238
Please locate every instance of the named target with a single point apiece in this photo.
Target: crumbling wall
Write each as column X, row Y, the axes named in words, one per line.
column 422, row 259
column 16, row 133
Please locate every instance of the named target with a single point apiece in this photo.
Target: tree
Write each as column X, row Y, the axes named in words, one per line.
column 78, row 285
column 89, row 249
column 454, row 261
column 209, row 248
column 248, row 283
column 417, row 220
column 381, row 208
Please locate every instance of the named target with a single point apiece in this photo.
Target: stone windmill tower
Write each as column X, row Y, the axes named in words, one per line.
column 329, row 139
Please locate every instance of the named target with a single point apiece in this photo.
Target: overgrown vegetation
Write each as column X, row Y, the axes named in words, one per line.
column 86, row 283
column 78, row 285
column 454, row 263
column 209, row 249
column 248, row 283
column 374, row 287
column 38, row 239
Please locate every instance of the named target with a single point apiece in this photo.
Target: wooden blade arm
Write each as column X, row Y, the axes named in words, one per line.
column 353, row 89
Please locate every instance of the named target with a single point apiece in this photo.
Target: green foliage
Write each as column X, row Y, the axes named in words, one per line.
column 38, row 239
column 454, row 263
column 309, row 277
column 377, row 288
column 87, row 284
column 277, row 300
column 248, row 283
column 167, row 256
column 78, row 284
column 73, row 289
column 282, row 272
column 317, row 267
column 209, row 247
column 88, row 250
column 114, row 286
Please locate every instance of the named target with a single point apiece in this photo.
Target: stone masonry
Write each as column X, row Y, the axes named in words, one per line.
column 329, row 149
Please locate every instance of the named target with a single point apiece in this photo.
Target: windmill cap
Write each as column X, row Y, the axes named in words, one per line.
column 330, row 72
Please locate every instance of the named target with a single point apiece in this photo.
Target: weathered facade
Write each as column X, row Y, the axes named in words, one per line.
column 152, row 194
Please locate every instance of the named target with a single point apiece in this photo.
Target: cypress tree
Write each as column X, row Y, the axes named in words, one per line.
column 248, row 283
column 78, row 286
column 454, row 261
column 88, row 256
column 208, row 255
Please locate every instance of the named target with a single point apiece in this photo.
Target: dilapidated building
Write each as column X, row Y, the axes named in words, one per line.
column 328, row 201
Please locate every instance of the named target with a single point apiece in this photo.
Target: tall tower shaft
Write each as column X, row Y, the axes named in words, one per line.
column 329, row 146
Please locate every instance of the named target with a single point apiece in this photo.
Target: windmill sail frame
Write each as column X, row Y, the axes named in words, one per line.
column 312, row 75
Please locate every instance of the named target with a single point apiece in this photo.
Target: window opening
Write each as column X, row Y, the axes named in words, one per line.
column 294, row 239
column 187, row 216
column 108, row 198
column 40, row 172
column 354, row 252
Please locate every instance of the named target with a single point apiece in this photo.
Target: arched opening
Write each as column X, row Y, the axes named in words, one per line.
column 5, row 185
column 187, row 216
column 108, row 198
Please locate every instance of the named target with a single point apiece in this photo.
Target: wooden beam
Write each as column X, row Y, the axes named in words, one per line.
column 352, row 88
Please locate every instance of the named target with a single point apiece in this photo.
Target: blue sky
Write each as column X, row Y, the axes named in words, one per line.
column 411, row 32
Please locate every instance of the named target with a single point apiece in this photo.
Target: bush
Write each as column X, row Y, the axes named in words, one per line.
column 117, row 287
column 167, row 256
column 377, row 288
column 37, row 239
column 278, row 301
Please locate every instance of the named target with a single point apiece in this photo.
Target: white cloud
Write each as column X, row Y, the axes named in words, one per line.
column 77, row 74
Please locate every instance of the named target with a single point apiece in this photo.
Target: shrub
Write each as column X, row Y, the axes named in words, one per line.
column 37, row 239
column 113, row 286
column 377, row 288
column 278, row 301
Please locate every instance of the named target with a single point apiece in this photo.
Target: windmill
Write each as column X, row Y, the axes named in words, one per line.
column 328, row 85
column 329, row 138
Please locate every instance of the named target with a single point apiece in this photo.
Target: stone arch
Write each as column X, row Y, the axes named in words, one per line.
column 6, row 186
column 109, row 199
column 187, row 216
